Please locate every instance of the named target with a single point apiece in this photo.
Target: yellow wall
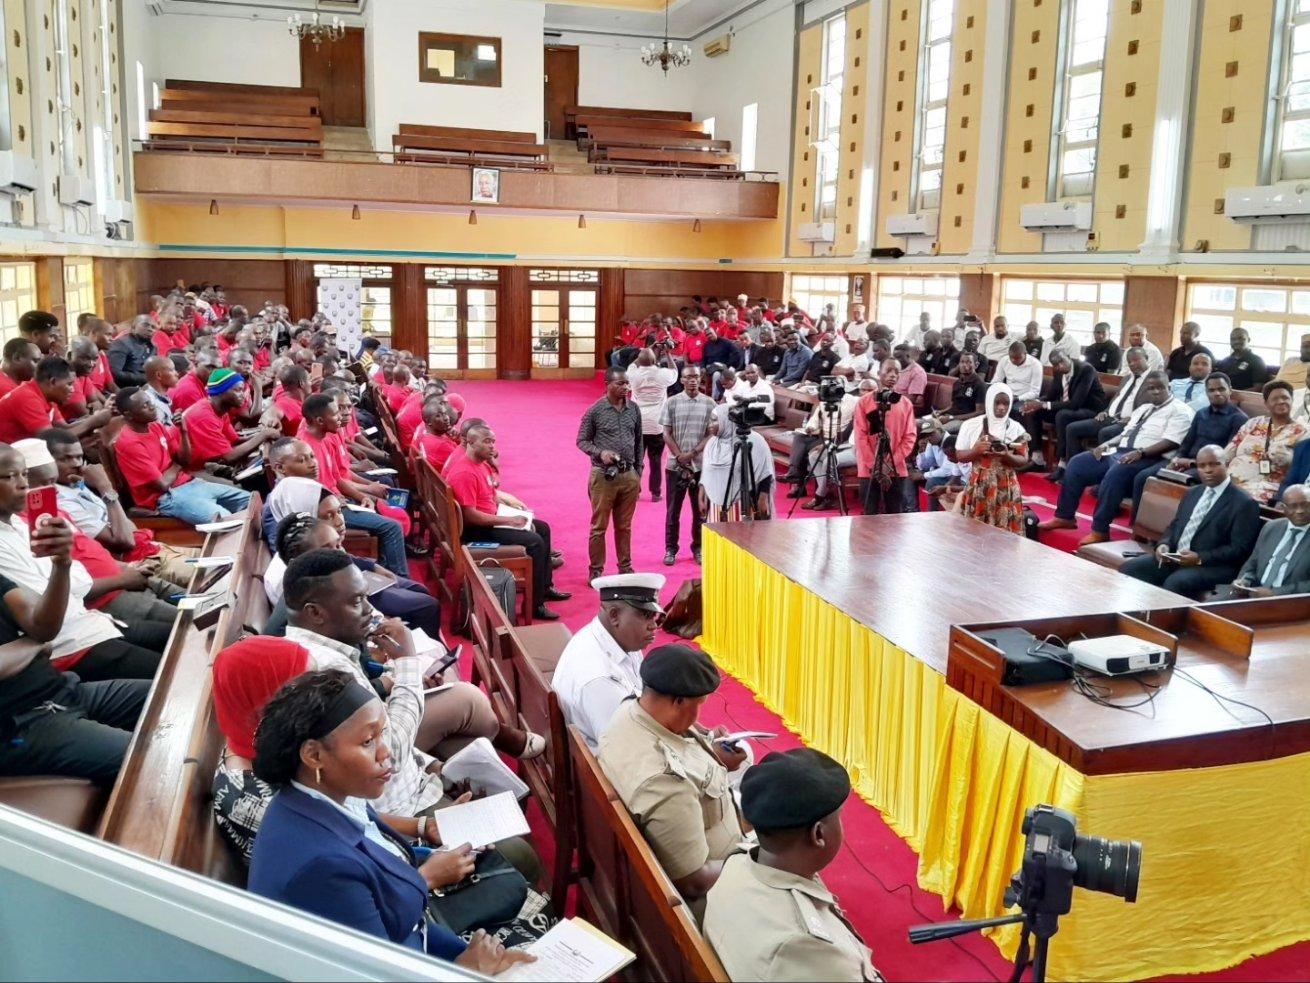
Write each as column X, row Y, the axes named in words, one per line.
column 900, row 85
column 964, row 111
column 855, row 80
column 1235, row 143
column 809, row 70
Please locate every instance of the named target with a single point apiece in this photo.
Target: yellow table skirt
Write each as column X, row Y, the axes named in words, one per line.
column 1225, row 850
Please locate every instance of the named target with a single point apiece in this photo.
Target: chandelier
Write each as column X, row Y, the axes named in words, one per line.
column 665, row 54
column 315, row 29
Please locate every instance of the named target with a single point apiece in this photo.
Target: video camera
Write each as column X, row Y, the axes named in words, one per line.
column 739, row 412
column 831, row 390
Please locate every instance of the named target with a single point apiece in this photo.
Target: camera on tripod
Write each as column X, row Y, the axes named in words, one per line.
column 831, row 390
column 739, row 412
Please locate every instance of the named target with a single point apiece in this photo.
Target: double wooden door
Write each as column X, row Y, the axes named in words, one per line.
column 336, row 69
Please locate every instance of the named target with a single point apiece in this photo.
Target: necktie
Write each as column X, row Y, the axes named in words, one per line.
column 1198, row 516
column 1127, row 443
column 1191, row 387
column 1277, row 569
column 1124, row 394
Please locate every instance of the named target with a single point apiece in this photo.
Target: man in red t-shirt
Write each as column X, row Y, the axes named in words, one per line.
column 20, row 358
column 149, row 455
column 694, row 344
column 190, row 389
column 168, row 339
column 86, row 398
column 34, row 406
column 433, row 442
column 473, row 483
column 208, row 423
column 101, row 333
column 252, row 408
column 397, row 390
column 287, row 410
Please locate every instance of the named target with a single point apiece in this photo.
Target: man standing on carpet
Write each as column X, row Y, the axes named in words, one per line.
column 610, row 434
column 686, row 422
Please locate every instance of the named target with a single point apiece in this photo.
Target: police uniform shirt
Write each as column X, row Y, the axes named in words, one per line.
column 768, row 924
column 675, row 789
column 594, row 676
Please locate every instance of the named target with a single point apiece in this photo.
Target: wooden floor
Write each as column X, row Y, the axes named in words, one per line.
column 910, row 577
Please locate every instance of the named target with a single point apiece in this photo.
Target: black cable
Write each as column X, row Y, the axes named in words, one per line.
column 1221, row 698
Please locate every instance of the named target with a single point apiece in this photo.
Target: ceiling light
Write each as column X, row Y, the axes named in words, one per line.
column 665, row 55
column 315, row 29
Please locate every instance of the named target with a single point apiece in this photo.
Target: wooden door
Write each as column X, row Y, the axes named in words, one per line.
column 561, row 86
column 336, row 69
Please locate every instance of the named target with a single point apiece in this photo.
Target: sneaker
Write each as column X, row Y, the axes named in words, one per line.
column 533, row 747
column 820, row 504
column 670, row 558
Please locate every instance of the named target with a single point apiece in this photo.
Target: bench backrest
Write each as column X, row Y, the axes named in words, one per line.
column 487, row 624
column 619, row 112
column 465, row 133
column 1159, row 505
column 485, row 147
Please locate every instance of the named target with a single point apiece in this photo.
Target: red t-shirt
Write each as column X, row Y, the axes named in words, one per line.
column 629, row 333
column 99, row 562
column 679, row 342
column 694, row 344
column 144, row 457
column 165, row 342
column 224, row 346
column 262, row 358
column 436, row 449
column 7, row 384
column 101, row 376
column 292, row 412
column 83, row 391
column 409, row 419
column 188, row 391
column 25, row 411
column 395, row 395
column 473, row 484
column 211, row 436
column 330, row 453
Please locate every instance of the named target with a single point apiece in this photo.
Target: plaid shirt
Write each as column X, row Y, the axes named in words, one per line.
column 689, row 419
column 616, row 429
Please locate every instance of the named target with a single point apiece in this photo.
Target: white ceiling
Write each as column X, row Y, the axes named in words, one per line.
column 687, row 18
column 263, row 9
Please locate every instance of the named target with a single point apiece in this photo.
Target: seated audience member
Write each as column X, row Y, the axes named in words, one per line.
column 932, row 343
column 650, row 380
column 600, row 666
column 797, row 931
column 1073, row 393
column 149, row 457
column 823, row 361
column 672, row 774
column 1021, row 372
column 34, row 405
column 995, row 445
column 795, row 360
column 1181, row 359
column 1033, row 342
column 361, row 455
column 1210, row 537
column 1110, row 421
column 86, row 398
column 242, row 362
column 1062, row 341
column 1280, row 561
column 885, row 436
column 912, row 381
column 967, row 394
column 970, row 345
column 396, row 390
column 721, row 350
column 208, row 424
column 285, row 411
column 129, row 353
column 168, row 338
column 1260, row 454
column 1191, row 387
column 721, row 495
column 41, row 328
column 101, row 334
column 473, row 482
column 767, row 354
column 190, row 389
column 410, row 418
column 1154, row 432
column 20, row 358
column 857, row 364
column 1294, row 370
column 322, row 848
column 1139, row 337
column 995, row 347
column 87, row 640
column 750, row 385
column 940, row 469
column 56, row 723
column 807, row 447
column 1299, row 472
column 161, row 377
column 1216, row 423
column 432, row 441
column 1244, row 367
column 319, row 430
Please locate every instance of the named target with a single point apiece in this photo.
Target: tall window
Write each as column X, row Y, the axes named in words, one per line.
column 17, row 296
column 934, row 84
column 1292, row 146
column 462, row 306
column 64, row 89
column 142, row 110
column 813, row 293
column 1082, row 302
column 750, row 118
column 1275, row 315
column 901, row 299
column 103, row 149
column 826, row 101
column 374, row 295
column 1088, row 22
column 79, row 291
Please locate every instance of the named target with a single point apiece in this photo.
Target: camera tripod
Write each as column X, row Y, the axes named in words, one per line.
column 747, row 488
column 828, row 455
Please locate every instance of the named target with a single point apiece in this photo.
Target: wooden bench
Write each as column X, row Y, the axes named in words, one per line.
column 459, row 146
column 685, row 159
column 465, row 133
column 669, row 170
column 624, row 136
column 584, row 122
column 1160, row 501
column 222, row 117
column 571, row 114
column 291, row 103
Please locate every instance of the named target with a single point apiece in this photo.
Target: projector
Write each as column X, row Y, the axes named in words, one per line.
column 1118, row 655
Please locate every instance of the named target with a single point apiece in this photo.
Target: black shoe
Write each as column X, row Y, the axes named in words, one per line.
column 695, row 555
column 798, row 492
column 670, row 558
column 544, row 613
column 789, row 479
column 556, row 595
column 655, row 497
column 1056, row 476
column 417, row 551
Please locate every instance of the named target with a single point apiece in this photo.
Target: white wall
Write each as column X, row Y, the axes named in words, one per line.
column 256, row 51
column 610, row 73
column 396, row 95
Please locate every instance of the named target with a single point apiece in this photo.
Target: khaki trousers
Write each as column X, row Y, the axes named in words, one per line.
column 617, row 499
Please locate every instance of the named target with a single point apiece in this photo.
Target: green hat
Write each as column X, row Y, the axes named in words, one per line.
column 221, row 381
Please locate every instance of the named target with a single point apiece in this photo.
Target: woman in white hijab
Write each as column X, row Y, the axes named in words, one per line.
column 720, row 477
column 995, row 445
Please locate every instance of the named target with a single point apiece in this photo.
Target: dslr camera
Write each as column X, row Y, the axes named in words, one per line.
column 612, row 471
column 831, row 390
column 1056, row 859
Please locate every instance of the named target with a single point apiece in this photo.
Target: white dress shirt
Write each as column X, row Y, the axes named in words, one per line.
column 861, row 365
column 650, row 385
column 1025, row 380
column 745, row 390
column 593, row 678
column 1151, row 424
column 1121, row 407
column 1154, row 359
column 818, row 420
column 1067, row 344
column 356, row 810
column 1203, row 507
column 996, row 349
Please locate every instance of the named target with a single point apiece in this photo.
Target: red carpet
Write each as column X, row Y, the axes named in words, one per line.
column 536, row 424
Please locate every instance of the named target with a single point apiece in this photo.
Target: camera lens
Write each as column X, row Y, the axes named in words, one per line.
column 1108, row 866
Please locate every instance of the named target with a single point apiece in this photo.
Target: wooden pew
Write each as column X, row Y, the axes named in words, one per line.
column 687, row 159
column 403, row 142
column 461, row 133
column 240, row 88
column 571, row 114
column 291, row 104
column 1160, row 501
column 585, row 121
column 672, row 170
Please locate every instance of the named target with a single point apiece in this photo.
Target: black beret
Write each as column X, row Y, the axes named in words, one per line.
column 679, row 670
column 793, row 789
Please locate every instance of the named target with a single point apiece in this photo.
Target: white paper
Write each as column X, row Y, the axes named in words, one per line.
column 503, row 509
column 254, row 469
column 425, row 643
column 485, row 771
column 381, row 472
column 370, row 431
column 355, row 508
column 481, row 822
column 743, row 735
column 223, row 525
column 573, row 952
column 211, row 562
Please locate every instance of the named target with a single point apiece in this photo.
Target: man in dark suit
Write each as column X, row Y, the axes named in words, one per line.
column 1210, row 537
column 1280, row 563
column 1073, row 392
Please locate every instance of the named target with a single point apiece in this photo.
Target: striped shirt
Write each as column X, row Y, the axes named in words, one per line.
column 689, row 420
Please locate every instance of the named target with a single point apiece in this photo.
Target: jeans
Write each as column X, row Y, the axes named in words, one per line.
column 1113, row 478
column 616, row 500
column 681, row 486
column 391, row 538
column 149, row 619
column 535, row 540
column 653, row 445
column 199, row 501
column 1191, row 582
column 411, row 602
column 118, row 658
column 87, row 739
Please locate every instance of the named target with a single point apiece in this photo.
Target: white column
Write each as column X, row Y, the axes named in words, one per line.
column 1173, row 109
column 875, row 55
column 996, row 73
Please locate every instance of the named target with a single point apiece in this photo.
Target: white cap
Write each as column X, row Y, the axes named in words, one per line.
column 641, row 590
column 34, row 452
column 743, row 297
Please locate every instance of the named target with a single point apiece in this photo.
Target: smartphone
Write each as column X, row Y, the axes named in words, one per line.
column 398, row 498
column 43, row 501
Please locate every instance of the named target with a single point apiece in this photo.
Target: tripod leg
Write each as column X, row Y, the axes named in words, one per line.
column 1039, row 960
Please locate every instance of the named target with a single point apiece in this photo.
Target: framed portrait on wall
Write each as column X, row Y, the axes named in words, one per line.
column 486, row 186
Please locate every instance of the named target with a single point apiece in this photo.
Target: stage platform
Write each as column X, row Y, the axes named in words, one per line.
column 844, row 628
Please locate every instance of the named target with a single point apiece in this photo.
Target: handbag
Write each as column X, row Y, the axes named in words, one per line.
column 492, row 895
column 684, row 615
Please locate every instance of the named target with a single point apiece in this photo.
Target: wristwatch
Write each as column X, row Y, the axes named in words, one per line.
column 109, row 497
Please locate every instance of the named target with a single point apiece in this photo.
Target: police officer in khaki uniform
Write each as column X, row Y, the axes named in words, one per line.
column 672, row 774
column 769, row 916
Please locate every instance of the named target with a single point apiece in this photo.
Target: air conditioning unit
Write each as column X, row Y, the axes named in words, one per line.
column 116, row 210
column 817, row 232
column 922, row 223
column 1056, row 216
column 18, row 174
column 1288, row 202
column 76, row 190
column 719, row 46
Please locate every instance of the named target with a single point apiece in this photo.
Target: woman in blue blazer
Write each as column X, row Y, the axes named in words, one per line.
column 321, row 848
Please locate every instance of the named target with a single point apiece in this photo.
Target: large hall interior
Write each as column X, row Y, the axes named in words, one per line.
column 663, row 490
